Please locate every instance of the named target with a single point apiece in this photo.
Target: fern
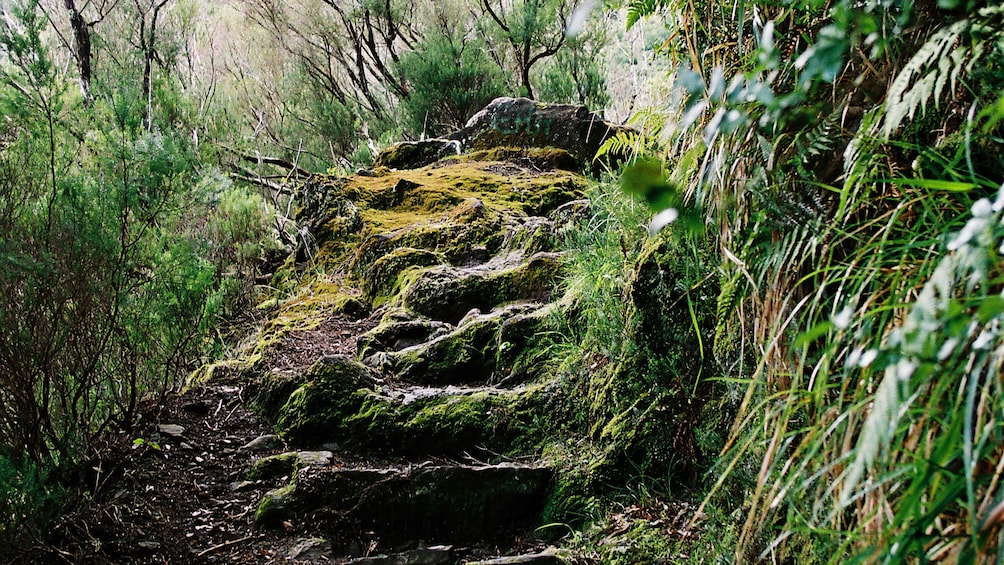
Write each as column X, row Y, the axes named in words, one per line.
column 623, row 144
column 641, row 8
column 939, row 63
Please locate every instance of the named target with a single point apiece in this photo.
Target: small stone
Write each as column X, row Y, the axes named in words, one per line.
column 309, row 549
column 185, row 445
column 173, row 430
column 313, row 458
column 267, row 442
column 241, row 486
column 149, row 545
column 546, row 557
column 435, row 555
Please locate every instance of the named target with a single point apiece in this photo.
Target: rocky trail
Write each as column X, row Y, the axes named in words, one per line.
column 392, row 408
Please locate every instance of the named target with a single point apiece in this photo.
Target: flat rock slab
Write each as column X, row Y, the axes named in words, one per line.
column 437, row 555
column 448, row 504
column 546, row 557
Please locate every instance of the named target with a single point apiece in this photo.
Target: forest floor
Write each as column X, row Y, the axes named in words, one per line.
column 175, row 490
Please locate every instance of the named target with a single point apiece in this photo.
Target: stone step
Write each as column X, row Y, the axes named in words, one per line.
column 340, row 405
column 385, row 508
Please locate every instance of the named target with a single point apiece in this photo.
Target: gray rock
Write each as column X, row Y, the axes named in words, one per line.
column 309, row 548
column 521, row 122
column 267, row 442
column 546, row 557
column 241, row 486
column 173, row 430
column 436, row 555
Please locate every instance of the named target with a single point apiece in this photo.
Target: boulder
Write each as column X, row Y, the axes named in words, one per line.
column 452, row 504
column 521, row 122
column 416, row 154
column 448, row 293
column 334, row 389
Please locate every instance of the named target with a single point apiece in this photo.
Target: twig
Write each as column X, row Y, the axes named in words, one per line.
column 218, row 546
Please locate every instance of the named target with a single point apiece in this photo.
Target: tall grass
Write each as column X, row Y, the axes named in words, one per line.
column 861, row 276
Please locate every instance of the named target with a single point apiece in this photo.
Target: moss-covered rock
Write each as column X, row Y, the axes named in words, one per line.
column 493, row 347
column 275, row 507
column 416, row 154
column 399, row 330
column 287, row 464
column 451, row 236
column 448, row 293
column 382, row 280
column 316, row 411
column 449, row 503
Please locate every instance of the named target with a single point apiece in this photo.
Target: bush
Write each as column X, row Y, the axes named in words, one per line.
column 449, row 79
column 29, row 503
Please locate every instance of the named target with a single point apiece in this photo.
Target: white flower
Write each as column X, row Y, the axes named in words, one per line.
column 982, row 208
column 842, row 319
column 867, row 357
column 905, row 369
column 947, row 348
column 663, row 219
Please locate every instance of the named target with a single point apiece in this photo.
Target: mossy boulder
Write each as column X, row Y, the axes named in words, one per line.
column 287, row 464
column 446, row 421
column 448, row 503
column 416, row 154
column 448, row 293
column 275, row 507
column 521, row 122
column 382, row 280
column 491, row 347
column 471, row 223
column 333, row 390
column 400, row 330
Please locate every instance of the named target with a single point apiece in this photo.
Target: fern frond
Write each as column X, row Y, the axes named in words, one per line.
column 638, row 9
column 936, row 69
column 622, row 144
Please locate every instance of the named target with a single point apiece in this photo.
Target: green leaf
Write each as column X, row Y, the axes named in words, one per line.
column 646, row 179
column 990, row 308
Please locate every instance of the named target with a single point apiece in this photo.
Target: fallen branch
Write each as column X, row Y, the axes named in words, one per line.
column 275, row 161
column 223, row 545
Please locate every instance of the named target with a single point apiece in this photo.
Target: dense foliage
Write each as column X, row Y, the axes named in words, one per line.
column 847, row 157
column 121, row 249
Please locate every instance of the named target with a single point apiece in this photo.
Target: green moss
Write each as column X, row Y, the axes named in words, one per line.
column 448, row 294
column 382, row 280
column 273, row 466
column 317, row 411
column 274, row 507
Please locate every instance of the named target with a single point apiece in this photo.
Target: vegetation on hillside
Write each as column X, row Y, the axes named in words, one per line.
column 846, row 157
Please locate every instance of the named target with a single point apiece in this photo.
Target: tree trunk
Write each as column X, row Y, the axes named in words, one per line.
column 82, row 46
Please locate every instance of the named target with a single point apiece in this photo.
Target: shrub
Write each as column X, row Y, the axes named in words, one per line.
column 449, row 79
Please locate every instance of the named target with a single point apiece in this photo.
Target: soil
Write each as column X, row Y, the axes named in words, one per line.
column 179, row 495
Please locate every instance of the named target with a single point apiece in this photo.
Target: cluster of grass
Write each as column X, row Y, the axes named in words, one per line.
column 860, row 240
column 858, row 235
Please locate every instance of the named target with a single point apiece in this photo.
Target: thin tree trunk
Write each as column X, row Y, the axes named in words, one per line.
column 82, row 46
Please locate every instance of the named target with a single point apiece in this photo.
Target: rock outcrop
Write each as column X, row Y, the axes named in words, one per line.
column 403, row 377
column 515, row 123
